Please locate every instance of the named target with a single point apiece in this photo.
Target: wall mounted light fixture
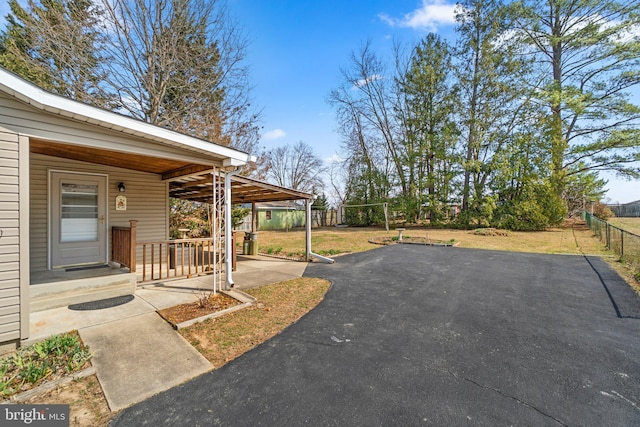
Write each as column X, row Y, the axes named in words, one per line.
column 121, row 187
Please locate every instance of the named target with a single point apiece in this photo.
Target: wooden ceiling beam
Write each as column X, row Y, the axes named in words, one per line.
column 184, row 171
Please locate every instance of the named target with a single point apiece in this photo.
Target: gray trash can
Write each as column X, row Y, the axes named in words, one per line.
column 253, row 243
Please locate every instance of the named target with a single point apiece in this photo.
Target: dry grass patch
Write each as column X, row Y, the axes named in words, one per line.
column 279, row 305
column 571, row 239
column 632, row 225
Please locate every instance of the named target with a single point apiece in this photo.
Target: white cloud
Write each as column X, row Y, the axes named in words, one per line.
column 335, row 158
column 274, row 134
column 429, row 16
column 370, row 79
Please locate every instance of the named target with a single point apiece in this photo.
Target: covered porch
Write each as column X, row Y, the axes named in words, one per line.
column 86, row 199
column 100, row 220
column 139, row 252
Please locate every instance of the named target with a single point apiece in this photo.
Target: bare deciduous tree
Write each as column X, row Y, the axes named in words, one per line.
column 180, row 64
column 296, row 167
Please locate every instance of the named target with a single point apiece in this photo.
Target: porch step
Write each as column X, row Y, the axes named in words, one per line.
column 59, row 294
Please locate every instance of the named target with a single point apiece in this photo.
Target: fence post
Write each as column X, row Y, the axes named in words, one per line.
column 608, row 236
column 621, row 244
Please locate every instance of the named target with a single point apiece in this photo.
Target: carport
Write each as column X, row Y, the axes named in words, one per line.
column 205, row 186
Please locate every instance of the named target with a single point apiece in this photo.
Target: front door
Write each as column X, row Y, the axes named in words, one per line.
column 78, row 219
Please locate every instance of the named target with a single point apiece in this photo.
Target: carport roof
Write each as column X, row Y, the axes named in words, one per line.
column 199, row 188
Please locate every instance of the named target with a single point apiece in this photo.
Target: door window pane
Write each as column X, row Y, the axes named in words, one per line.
column 79, row 213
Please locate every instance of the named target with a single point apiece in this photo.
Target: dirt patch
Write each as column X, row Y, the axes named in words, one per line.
column 386, row 240
column 490, row 232
column 87, row 404
column 207, row 303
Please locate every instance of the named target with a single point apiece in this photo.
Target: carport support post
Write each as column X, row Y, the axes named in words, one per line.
column 254, row 218
column 308, row 229
column 228, row 228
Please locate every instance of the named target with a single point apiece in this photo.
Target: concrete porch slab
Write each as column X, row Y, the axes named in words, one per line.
column 257, row 270
column 175, row 292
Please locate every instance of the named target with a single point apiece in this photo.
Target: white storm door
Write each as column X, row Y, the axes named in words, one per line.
column 78, row 219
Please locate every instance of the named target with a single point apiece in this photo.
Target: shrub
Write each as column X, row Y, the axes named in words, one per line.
column 524, row 215
column 602, row 211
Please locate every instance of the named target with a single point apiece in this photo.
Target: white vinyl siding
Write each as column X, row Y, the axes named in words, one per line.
column 146, row 194
column 10, row 239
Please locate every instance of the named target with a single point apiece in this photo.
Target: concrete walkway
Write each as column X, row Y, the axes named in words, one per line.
column 140, row 356
column 136, row 353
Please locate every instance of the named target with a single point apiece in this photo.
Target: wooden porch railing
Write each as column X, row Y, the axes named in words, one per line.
column 180, row 258
column 123, row 245
column 167, row 258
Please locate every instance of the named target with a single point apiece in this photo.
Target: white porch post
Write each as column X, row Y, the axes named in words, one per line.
column 228, row 228
column 214, row 228
column 310, row 254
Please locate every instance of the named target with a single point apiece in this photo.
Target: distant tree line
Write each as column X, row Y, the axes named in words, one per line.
column 512, row 123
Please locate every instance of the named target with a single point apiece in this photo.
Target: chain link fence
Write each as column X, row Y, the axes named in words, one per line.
column 625, row 244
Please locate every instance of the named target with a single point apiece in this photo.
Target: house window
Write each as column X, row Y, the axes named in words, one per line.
column 79, row 213
column 267, row 215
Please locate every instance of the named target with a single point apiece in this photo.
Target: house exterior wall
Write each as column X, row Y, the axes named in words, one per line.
column 10, row 238
column 147, row 201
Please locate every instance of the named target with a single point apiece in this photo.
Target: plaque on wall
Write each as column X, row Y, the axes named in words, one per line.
column 121, row 203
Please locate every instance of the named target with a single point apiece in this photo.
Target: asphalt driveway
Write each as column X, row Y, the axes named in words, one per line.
column 416, row 335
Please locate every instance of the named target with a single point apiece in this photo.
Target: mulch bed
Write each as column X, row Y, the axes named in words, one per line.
column 208, row 303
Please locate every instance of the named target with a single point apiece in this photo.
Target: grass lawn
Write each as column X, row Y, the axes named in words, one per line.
column 632, row 225
column 576, row 239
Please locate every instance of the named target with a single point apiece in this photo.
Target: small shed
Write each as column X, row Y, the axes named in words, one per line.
column 280, row 215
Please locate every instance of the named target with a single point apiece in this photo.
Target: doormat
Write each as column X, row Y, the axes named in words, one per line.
column 101, row 304
column 89, row 267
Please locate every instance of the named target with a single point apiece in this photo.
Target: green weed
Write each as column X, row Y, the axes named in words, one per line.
column 56, row 356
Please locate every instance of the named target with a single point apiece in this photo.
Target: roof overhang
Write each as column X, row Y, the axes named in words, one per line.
column 39, row 99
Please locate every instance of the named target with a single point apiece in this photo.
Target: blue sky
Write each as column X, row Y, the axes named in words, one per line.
column 297, row 50
column 298, row 47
